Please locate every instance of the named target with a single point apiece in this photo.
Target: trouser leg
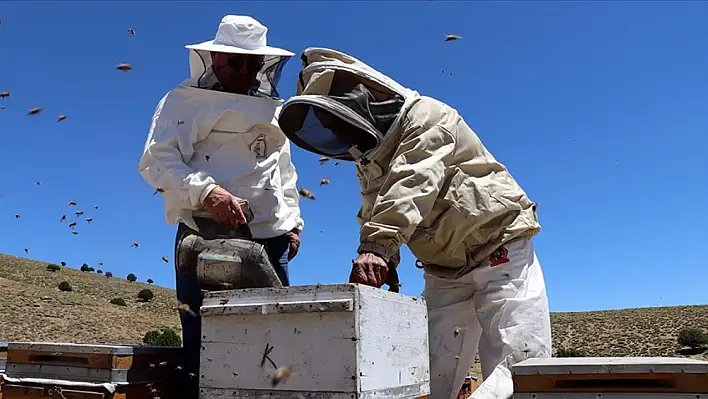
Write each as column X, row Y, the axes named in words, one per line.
column 512, row 308
column 189, row 293
column 278, row 249
column 453, row 334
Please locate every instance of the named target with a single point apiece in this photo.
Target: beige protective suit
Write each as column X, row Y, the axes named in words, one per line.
column 428, row 181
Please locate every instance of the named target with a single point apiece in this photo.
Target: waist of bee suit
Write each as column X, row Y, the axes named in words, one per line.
column 199, row 139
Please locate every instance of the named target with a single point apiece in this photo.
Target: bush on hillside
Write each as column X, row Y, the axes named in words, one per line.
column 131, row 277
column 694, row 338
column 91, row 269
column 63, row 263
column 149, row 281
column 99, row 271
column 164, row 336
column 145, row 295
column 85, row 268
column 109, row 274
column 64, row 286
column 118, row 301
column 569, row 352
column 53, row 268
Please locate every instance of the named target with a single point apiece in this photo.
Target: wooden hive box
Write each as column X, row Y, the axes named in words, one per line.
column 3, row 361
column 89, row 371
column 330, row 341
column 611, row 378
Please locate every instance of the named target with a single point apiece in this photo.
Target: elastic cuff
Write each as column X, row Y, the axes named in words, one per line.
column 378, row 249
column 207, row 190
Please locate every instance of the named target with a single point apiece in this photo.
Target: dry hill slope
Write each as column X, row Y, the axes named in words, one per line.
column 33, row 309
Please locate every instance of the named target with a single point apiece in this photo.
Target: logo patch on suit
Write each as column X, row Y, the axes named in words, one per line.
column 498, row 257
column 258, row 147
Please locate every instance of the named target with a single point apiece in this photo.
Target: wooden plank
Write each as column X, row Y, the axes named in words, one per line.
column 131, row 391
column 608, row 365
column 625, row 382
column 104, row 361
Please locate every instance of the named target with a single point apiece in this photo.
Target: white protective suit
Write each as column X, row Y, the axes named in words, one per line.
column 200, row 138
column 428, row 181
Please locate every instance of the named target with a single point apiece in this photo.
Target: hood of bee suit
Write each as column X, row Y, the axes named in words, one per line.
column 343, row 108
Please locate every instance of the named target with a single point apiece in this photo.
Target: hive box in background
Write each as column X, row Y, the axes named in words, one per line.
column 610, row 378
column 322, row 341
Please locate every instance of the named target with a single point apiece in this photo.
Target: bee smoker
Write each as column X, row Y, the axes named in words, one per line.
column 227, row 257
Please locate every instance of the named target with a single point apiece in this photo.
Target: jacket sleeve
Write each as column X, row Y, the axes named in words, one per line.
column 168, row 148
column 416, row 175
column 288, row 176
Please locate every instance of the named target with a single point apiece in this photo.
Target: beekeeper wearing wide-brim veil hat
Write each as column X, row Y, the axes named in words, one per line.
column 427, row 181
column 214, row 145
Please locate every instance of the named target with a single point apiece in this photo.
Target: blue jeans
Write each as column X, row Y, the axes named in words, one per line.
column 189, row 293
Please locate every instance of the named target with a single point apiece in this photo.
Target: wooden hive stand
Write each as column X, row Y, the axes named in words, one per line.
column 36, row 370
column 610, row 377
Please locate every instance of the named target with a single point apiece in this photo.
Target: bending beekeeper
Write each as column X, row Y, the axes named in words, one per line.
column 214, row 141
column 428, row 181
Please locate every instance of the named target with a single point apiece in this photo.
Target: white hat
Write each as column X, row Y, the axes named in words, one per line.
column 240, row 34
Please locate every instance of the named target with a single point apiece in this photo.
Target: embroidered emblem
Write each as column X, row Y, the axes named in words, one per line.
column 258, row 147
column 498, row 257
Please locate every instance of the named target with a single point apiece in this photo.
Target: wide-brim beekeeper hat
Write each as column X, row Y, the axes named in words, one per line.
column 240, row 34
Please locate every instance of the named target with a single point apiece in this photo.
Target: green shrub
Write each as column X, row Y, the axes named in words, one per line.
column 109, row 274
column 53, row 268
column 91, row 269
column 99, row 271
column 164, row 336
column 85, row 268
column 145, row 295
column 64, row 286
column 63, row 263
column 149, row 281
column 694, row 338
column 569, row 352
column 131, row 277
column 118, row 301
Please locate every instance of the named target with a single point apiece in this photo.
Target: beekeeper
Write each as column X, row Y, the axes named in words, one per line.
column 214, row 141
column 427, row 180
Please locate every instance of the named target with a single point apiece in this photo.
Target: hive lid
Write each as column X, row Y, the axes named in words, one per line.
column 608, row 365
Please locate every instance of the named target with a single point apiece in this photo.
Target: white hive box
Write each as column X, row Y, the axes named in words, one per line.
column 610, row 378
column 339, row 341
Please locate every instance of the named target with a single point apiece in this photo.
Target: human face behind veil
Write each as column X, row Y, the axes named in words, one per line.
column 237, row 73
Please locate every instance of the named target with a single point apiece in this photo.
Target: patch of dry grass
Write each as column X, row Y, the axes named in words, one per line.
column 33, row 308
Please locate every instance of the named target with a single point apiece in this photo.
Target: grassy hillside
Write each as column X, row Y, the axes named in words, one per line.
column 33, row 309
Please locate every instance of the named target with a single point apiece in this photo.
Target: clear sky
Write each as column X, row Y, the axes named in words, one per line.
column 599, row 110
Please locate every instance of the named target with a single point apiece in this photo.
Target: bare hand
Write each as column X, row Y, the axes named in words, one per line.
column 294, row 241
column 369, row 269
column 224, row 208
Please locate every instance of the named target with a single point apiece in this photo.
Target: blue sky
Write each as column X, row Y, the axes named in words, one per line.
column 599, row 110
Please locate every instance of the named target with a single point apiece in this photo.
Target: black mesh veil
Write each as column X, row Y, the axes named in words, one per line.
column 268, row 77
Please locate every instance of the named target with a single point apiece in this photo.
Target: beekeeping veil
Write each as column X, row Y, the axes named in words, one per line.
column 238, row 34
column 343, row 108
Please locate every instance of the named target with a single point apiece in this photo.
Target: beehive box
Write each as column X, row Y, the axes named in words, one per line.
column 3, row 361
column 88, row 371
column 321, row 341
column 610, row 378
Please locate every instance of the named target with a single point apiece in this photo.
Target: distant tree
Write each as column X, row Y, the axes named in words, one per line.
column 164, row 336
column 131, row 277
column 149, row 281
column 109, row 274
column 99, row 271
column 694, row 338
column 145, row 295
column 53, row 268
column 91, row 269
column 64, row 286
column 63, row 263
column 85, row 268
column 118, row 301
